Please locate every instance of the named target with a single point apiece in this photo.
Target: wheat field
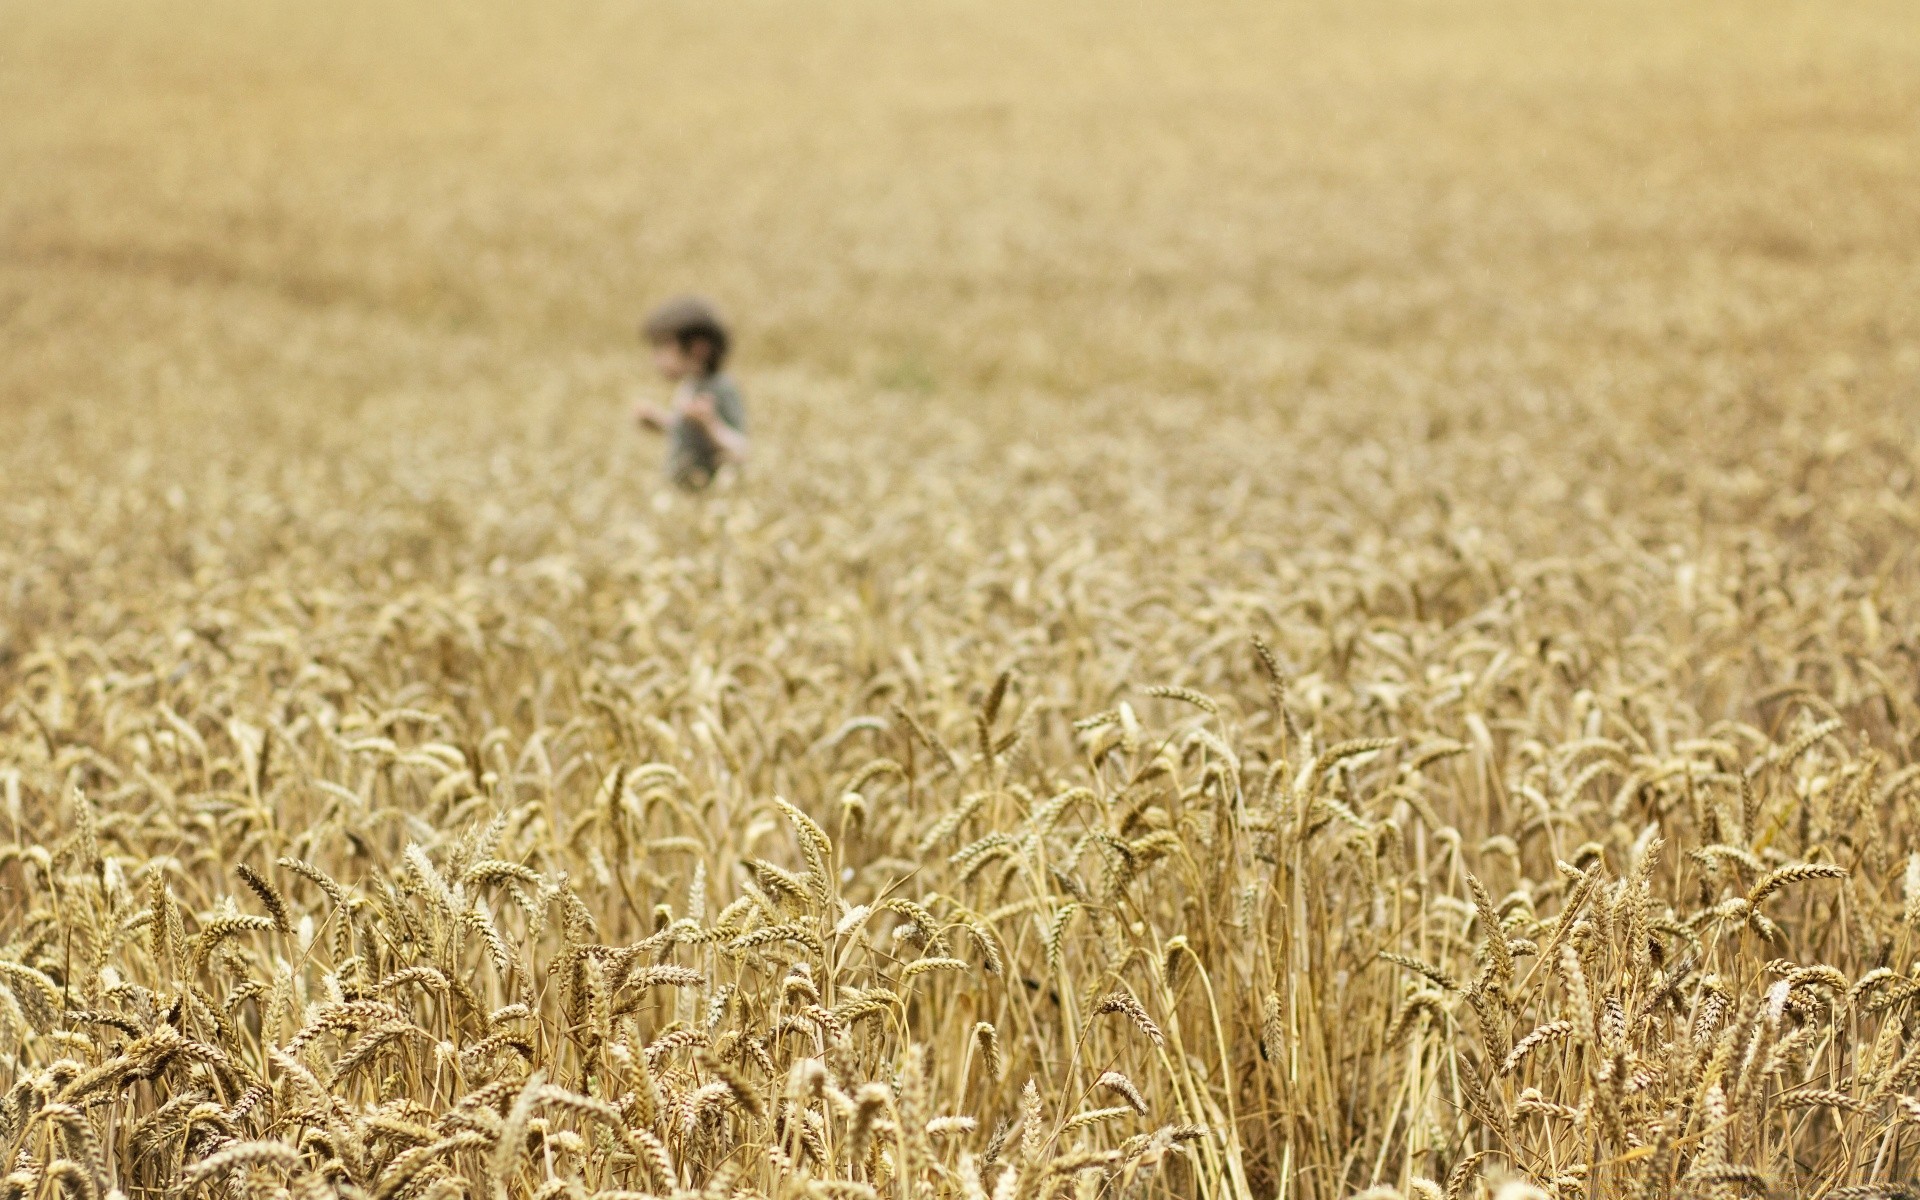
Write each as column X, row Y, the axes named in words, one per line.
column 1325, row 604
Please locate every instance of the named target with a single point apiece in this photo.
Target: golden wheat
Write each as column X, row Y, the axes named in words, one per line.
column 1326, row 608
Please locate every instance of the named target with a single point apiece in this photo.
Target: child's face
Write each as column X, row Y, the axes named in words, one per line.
column 674, row 361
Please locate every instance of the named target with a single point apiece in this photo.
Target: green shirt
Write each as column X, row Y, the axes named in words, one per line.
column 692, row 454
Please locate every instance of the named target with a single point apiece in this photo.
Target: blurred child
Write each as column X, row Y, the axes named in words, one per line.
column 706, row 422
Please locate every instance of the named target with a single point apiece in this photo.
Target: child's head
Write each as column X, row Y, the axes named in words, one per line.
column 687, row 336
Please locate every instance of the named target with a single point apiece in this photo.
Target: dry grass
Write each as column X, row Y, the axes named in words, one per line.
column 1326, row 606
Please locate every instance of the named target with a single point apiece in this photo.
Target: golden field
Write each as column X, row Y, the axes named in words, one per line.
column 1326, row 602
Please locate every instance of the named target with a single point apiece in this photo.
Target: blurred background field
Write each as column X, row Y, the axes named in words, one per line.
column 1286, row 202
column 1526, row 376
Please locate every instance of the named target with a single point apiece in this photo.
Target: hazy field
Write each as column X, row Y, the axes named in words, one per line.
column 1539, row 383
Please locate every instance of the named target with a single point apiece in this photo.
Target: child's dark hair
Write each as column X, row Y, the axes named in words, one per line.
column 685, row 320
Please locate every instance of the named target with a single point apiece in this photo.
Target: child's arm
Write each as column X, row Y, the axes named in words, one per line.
column 652, row 416
column 732, row 442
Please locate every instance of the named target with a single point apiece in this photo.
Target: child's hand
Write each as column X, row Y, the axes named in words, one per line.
column 651, row 416
column 699, row 409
